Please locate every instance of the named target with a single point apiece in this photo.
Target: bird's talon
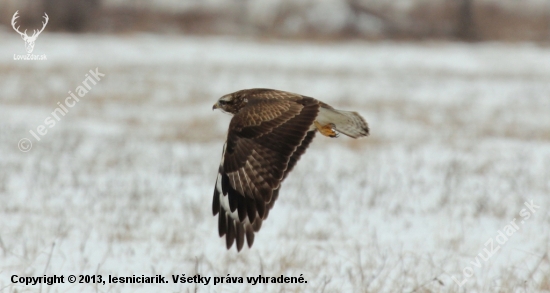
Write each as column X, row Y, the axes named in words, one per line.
column 326, row 130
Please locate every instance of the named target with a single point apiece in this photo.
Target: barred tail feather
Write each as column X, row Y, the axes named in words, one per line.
column 347, row 122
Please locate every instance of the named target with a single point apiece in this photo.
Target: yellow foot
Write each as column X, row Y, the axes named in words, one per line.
column 326, row 130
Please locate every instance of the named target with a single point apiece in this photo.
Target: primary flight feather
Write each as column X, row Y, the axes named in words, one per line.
column 268, row 133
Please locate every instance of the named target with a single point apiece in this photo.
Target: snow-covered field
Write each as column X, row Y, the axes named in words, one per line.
column 122, row 184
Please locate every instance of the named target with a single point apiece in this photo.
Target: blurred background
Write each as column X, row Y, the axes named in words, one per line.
column 456, row 93
column 468, row 20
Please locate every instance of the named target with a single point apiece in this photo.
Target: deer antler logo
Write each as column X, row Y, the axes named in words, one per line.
column 29, row 41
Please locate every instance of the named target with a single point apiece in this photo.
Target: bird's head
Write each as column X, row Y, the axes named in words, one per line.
column 231, row 103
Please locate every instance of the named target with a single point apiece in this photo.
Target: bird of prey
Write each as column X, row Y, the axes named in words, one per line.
column 268, row 133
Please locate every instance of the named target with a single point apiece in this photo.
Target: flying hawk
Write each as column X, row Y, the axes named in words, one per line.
column 268, row 133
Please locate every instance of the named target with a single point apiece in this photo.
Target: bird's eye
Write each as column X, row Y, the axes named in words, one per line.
column 222, row 102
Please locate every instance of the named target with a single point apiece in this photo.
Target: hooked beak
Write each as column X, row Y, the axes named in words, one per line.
column 216, row 106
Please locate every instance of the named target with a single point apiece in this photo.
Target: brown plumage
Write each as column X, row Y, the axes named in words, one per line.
column 268, row 133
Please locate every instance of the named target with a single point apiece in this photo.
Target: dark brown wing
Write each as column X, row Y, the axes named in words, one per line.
column 265, row 140
column 300, row 150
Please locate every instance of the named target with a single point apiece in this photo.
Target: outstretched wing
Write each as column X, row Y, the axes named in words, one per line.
column 264, row 142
